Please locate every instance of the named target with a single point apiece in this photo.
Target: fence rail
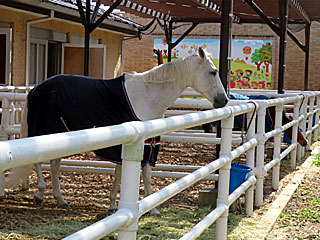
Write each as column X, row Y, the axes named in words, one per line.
column 19, row 152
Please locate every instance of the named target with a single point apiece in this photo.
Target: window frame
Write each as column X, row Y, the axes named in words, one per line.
column 38, row 42
column 8, row 33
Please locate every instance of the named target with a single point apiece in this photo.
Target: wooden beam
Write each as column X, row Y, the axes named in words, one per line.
column 105, row 15
column 80, row 9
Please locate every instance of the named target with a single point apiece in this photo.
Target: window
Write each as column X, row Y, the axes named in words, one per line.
column 5, row 56
column 54, row 59
column 38, row 61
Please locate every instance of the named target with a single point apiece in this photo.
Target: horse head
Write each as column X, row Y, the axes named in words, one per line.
column 208, row 82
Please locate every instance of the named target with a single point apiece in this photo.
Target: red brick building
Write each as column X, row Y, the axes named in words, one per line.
column 139, row 53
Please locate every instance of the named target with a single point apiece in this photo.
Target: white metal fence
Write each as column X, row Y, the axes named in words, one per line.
column 20, row 152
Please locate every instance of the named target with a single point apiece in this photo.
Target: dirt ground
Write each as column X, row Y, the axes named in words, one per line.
column 88, row 195
column 301, row 217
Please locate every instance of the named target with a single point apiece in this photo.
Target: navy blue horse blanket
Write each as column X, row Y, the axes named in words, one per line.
column 69, row 103
column 238, row 120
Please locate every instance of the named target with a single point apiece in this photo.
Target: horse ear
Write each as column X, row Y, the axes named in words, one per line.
column 202, row 53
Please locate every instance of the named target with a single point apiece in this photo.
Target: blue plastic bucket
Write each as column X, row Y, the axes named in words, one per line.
column 238, row 174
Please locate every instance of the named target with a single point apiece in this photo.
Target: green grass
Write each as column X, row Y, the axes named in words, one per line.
column 56, row 229
column 175, row 223
column 316, row 159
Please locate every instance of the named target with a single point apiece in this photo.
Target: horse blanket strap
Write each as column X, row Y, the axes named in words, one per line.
column 71, row 103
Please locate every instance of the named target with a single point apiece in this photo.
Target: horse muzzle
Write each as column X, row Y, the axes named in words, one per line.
column 304, row 143
column 220, row 100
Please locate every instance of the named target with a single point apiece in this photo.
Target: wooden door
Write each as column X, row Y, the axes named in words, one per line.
column 73, row 59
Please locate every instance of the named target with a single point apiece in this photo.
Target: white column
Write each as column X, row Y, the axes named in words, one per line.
column 260, row 153
column 311, row 109
column 277, row 147
column 3, row 136
column 5, row 118
column 132, row 155
column 316, row 132
column 302, row 125
column 224, row 177
column 12, row 118
column 293, row 154
column 250, row 160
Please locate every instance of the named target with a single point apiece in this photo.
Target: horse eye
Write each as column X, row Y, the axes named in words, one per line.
column 214, row 73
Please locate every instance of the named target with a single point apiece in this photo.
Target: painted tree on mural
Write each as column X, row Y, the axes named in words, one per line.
column 266, row 55
column 262, row 55
column 256, row 58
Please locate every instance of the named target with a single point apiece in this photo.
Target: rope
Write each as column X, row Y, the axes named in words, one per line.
column 254, row 111
column 65, row 125
column 243, row 121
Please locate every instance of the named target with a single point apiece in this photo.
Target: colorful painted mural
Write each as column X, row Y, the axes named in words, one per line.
column 251, row 65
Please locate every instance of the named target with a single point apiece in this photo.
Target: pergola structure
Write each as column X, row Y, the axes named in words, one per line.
column 278, row 14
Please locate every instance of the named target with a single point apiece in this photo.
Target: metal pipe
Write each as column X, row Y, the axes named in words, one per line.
column 306, row 60
column 283, row 17
column 173, row 189
column 110, row 171
column 295, row 129
column 261, row 112
column 310, row 118
column 277, row 148
column 250, row 157
column 132, row 155
column 103, row 227
column 204, row 223
column 224, row 176
column 316, row 133
column 187, row 139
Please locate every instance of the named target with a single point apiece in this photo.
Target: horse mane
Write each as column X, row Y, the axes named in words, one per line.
column 166, row 72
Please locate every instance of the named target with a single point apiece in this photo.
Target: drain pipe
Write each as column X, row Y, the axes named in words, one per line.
column 28, row 41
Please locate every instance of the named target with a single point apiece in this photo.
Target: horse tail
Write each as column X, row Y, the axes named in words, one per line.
column 20, row 175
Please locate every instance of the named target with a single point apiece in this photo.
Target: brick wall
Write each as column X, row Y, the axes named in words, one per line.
column 19, row 22
column 138, row 53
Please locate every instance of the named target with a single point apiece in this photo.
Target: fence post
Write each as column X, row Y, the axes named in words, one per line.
column 250, row 160
column 259, row 170
column 302, row 125
column 311, row 110
column 132, row 155
column 12, row 118
column 224, row 177
column 277, row 147
column 3, row 135
column 295, row 129
column 316, row 132
column 5, row 118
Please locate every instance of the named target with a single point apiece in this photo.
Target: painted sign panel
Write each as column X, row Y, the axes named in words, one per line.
column 251, row 65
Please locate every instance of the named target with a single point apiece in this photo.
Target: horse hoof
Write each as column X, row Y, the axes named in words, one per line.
column 64, row 206
column 155, row 212
column 37, row 200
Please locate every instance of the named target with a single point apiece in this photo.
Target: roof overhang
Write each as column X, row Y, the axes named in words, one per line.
column 121, row 25
column 300, row 11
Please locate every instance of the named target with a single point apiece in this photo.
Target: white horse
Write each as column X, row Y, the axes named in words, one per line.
column 150, row 94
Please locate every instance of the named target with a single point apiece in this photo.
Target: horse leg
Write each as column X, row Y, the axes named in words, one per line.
column 38, row 197
column 146, row 175
column 113, row 194
column 55, row 166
